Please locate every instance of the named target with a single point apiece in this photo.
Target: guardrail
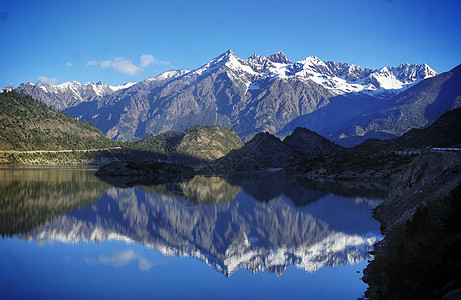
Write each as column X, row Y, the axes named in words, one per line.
column 445, row 149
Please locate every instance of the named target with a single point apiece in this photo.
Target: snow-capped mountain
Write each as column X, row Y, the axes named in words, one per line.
column 340, row 78
column 250, row 95
column 69, row 94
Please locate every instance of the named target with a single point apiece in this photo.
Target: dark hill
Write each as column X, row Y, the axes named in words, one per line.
column 262, row 151
column 308, row 142
column 267, row 151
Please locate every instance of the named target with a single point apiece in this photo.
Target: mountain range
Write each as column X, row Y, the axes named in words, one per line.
column 343, row 102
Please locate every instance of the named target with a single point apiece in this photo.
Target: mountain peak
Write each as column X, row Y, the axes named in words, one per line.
column 313, row 60
column 221, row 59
column 279, row 57
column 228, row 54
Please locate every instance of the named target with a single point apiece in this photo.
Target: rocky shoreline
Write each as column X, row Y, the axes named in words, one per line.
column 419, row 256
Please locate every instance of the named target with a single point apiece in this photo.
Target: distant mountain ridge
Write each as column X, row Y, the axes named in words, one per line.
column 249, row 95
column 68, row 94
column 417, row 107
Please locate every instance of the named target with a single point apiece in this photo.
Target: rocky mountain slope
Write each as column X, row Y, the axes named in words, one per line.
column 249, row 95
column 444, row 132
column 33, row 133
column 416, row 107
column 261, row 152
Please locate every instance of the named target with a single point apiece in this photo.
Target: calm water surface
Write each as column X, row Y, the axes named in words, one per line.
column 69, row 235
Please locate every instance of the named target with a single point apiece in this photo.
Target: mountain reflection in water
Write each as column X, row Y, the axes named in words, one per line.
column 258, row 223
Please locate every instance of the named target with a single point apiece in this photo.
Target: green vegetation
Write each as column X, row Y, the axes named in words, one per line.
column 27, row 124
column 422, row 260
column 30, row 125
column 202, row 142
column 164, row 143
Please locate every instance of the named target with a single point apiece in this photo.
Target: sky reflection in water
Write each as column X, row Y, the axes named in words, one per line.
column 201, row 238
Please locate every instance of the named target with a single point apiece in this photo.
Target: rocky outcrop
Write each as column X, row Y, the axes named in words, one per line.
column 199, row 143
column 266, row 151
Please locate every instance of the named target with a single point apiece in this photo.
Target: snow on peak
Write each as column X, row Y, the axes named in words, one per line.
column 312, row 61
column 122, row 86
column 279, row 57
column 340, row 78
column 227, row 59
column 171, row 74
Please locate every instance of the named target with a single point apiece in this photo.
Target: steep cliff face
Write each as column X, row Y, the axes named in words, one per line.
column 428, row 179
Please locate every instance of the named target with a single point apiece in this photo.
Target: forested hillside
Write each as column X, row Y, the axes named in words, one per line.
column 27, row 124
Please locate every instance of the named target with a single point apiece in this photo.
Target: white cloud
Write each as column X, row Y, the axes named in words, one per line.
column 146, row 59
column 120, row 65
column 69, row 64
column 47, row 81
column 123, row 258
column 92, row 63
column 126, row 66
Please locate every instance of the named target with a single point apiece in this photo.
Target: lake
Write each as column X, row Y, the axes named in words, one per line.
column 66, row 234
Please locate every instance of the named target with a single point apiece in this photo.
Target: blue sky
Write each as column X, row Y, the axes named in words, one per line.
column 122, row 41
